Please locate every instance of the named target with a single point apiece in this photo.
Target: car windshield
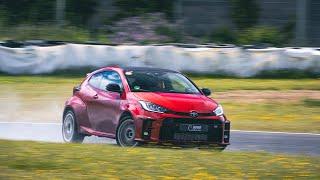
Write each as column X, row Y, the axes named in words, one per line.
column 171, row 82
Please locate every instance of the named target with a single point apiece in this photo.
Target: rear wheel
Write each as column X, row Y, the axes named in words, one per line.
column 126, row 133
column 70, row 131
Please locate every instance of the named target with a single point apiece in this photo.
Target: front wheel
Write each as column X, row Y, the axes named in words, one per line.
column 126, row 133
column 221, row 147
column 70, row 131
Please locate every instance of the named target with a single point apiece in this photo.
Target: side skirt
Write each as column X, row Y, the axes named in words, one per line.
column 96, row 133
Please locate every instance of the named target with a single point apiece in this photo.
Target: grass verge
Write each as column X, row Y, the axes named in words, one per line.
column 29, row 160
column 274, row 116
column 226, row 84
column 21, row 97
column 215, row 84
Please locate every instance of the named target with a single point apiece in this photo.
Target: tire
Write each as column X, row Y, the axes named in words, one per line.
column 221, row 147
column 70, row 131
column 126, row 133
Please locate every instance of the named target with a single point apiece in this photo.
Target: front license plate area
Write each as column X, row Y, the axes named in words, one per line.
column 193, row 128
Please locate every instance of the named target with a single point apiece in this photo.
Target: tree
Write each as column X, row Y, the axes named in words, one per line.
column 137, row 7
column 245, row 13
column 76, row 12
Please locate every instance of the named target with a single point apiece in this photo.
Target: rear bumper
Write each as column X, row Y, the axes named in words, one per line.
column 214, row 130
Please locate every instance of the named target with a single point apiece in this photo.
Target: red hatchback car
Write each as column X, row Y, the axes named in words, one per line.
column 142, row 104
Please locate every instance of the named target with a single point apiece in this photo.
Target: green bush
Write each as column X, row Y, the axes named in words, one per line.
column 174, row 35
column 261, row 34
column 223, row 35
column 137, row 7
column 287, row 73
column 47, row 32
column 254, row 35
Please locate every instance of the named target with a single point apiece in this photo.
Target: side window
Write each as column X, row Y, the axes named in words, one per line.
column 109, row 77
column 95, row 80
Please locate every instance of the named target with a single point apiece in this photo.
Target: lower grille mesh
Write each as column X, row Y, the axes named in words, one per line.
column 187, row 130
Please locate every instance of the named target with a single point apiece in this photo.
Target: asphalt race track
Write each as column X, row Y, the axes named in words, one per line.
column 275, row 142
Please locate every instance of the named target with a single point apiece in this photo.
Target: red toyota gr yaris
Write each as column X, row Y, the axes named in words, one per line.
column 139, row 104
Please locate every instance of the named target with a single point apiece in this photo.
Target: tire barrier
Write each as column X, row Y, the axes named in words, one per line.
column 33, row 58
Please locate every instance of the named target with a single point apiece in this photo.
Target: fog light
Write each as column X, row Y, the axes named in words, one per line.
column 146, row 129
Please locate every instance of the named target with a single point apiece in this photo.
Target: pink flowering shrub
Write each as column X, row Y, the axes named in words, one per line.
column 142, row 29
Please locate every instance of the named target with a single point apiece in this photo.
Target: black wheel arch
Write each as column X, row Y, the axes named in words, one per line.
column 66, row 109
column 123, row 115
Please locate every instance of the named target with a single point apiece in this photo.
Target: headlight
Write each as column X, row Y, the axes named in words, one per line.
column 218, row 111
column 152, row 107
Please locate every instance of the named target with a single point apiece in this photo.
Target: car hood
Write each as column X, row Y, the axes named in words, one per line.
column 179, row 102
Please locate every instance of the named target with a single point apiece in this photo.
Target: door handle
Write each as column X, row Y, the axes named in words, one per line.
column 95, row 96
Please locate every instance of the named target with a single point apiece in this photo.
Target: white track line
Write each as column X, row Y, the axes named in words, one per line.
column 276, row 132
column 245, row 131
column 31, row 123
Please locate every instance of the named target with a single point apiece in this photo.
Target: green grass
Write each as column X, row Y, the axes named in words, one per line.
column 29, row 160
column 227, row 84
column 215, row 84
column 273, row 116
column 312, row 102
column 43, row 80
column 23, row 95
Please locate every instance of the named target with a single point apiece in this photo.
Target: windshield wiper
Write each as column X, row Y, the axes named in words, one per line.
column 171, row 91
column 141, row 90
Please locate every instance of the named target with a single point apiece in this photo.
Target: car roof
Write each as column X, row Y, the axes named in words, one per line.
column 151, row 69
column 132, row 68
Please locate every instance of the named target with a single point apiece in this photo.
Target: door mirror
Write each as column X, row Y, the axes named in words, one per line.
column 76, row 89
column 113, row 88
column 206, row 91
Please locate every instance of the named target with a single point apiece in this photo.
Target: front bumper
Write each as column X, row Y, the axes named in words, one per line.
column 176, row 129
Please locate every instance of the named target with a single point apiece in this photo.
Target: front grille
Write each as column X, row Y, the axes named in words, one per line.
column 184, row 129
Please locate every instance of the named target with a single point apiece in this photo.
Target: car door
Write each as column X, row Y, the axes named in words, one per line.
column 105, row 105
column 89, row 97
